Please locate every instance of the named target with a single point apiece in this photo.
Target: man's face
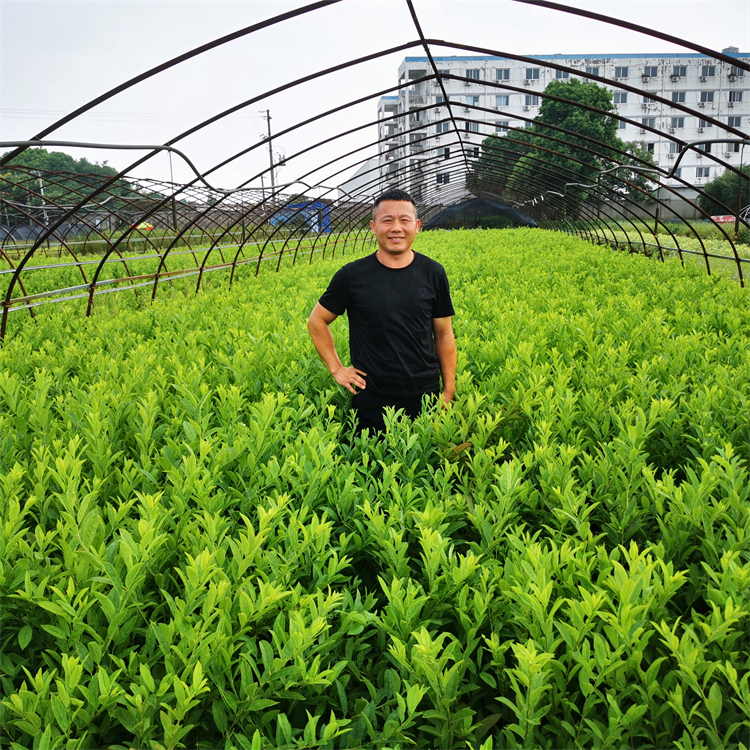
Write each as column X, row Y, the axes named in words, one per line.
column 395, row 226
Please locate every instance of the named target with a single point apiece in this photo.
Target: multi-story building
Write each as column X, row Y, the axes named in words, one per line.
column 495, row 93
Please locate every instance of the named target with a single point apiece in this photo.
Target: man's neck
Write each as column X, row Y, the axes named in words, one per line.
column 395, row 260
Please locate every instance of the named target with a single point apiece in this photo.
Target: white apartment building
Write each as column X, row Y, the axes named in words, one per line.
column 708, row 87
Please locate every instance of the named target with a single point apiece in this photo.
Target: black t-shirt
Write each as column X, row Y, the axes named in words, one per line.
column 390, row 321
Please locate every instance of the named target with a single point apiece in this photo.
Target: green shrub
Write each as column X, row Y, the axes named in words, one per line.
column 195, row 551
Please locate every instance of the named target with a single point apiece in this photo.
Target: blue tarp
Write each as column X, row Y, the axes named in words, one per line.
column 315, row 215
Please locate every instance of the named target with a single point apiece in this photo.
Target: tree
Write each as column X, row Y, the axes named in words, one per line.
column 22, row 181
column 725, row 189
column 527, row 163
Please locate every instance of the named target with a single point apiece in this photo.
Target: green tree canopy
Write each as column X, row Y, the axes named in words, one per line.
column 526, row 163
column 57, row 161
column 725, row 189
column 21, row 185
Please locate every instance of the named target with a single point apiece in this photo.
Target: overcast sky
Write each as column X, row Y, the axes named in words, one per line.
column 57, row 56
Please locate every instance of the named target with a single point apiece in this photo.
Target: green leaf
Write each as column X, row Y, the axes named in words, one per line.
column 61, row 714
column 285, row 728
column 714, row 701
column 190, row 431
column 147, row 678
column 24, row 636
column 259, row 704
column 56, row 632
column 108, row 608
column 220, row 716
column 413, row 697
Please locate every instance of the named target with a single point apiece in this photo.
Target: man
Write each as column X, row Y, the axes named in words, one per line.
column 400, row 335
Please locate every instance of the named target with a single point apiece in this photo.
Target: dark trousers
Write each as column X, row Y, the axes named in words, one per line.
column 369, row 408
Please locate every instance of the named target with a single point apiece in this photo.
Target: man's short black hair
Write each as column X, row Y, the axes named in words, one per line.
column 395, row 194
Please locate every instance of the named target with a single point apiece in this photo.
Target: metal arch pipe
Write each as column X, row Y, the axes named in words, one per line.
column 93, row 229
column 63, row 243
column 426, row 47
column 169, row 144
column 635, row 27
column 453, row 190
column 20, row 282
column 495, row 149
column 634, row 225
column 588, row 76
column 298, row 125
column 172, row 63
column 697, row 208
column 580, row 74
column 309, row 229
column 625, row 215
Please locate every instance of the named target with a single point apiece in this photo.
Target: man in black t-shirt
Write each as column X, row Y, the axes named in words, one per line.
column 399, row 306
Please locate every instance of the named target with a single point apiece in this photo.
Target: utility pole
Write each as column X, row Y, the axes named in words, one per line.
column 41, row 193
column 44, row 204
column 270, row 153
column 174, row 204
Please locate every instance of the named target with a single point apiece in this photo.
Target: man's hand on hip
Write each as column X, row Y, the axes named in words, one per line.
column 350, row 377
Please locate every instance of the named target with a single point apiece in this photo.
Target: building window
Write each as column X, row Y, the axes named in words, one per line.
column 735, row 96
column 704, row 124
column 502, row 100
column 677, row 173
column 679, row 70
column 708, row 71
column 474, row 152
column 651, row 71
column 502, row 125
column 703, row 172
column 472, row 101
column 621, row 98
column 734, row 122
column 528, row 124
column 473, row 74
column 648, row 100
column 593, row 71
column 675, row 148
column 562, row 74
column 532, row 74
column 733, row 148
column 678, row 122
column 444, row 152
column 707, row 96
column 439, row 99
column 648, row 122
column 650, row 147
column 503, row 74
column 443, row 127
column 532, row 100
column 444, row 72
column 678, row 96
column 443, row 178
column 621, row 71
column 621, row 124
column 735, row 71
column 471, row 127
column 705, row 147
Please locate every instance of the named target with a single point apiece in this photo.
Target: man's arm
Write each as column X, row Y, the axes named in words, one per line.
column 445, row 346
column 318, row 324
